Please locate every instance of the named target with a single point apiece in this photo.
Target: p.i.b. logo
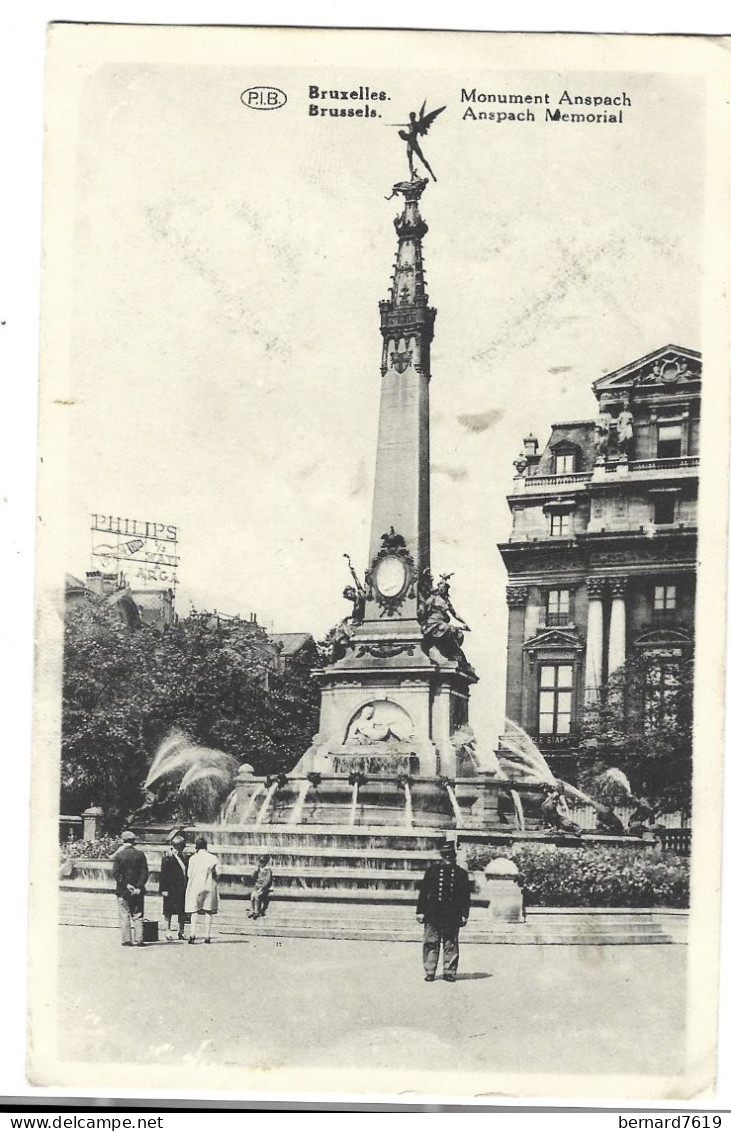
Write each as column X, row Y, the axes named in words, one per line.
column 263, row 98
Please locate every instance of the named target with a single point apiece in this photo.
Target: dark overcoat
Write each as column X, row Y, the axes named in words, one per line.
column 129, row 867
column 444, row 895
column 173, row 880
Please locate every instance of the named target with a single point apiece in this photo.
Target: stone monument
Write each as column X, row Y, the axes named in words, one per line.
column 395, row 692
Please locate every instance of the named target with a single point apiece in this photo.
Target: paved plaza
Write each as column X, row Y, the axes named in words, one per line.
column 327, row 1003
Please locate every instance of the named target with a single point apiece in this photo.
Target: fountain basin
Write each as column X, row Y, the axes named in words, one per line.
column 371, row 802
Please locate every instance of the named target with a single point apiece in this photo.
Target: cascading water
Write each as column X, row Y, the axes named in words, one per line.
column 266, row 803
column 229, row 805
column 252, row 801
column 212, row 787
column 298, row 808
column 453, row 802
column 354, row 804
column 518, row 806
column 408, row 810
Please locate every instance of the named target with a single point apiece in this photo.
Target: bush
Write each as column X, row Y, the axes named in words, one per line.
column 100, row 849
column 594, row 877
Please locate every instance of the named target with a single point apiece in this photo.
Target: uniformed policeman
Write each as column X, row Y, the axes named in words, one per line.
column 443, row 907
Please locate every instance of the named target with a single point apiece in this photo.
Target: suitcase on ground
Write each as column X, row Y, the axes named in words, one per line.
column 149, row 930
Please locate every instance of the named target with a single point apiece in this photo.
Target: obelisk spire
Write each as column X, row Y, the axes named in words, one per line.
column 401, row 493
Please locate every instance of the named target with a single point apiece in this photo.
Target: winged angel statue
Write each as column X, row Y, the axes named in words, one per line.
column 415, row 128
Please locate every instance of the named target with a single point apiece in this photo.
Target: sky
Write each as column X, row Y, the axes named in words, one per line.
column 218, row 356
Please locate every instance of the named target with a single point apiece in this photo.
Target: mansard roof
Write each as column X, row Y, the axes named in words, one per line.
column 578, row 434
column 669, row 367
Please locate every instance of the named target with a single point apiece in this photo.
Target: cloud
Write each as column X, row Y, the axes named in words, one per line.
column 480, row 421
column 451, row 472
column 358, row 481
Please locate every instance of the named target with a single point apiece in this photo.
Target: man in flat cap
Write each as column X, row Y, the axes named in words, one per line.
column 129, row 868
column 443, row 907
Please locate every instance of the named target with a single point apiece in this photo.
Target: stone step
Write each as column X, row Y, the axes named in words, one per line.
column 358, row 875
column 287, row 914
column 310, row 913
column 398, row 924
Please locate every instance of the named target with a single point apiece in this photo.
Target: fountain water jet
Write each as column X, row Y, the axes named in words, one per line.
column 453, row 802
column 252, row 800
column 228, row 807
column 354, row 804
column 518, row 806
column 295, row 816
column 408, row 810
column 267, row 801
column 203, row 774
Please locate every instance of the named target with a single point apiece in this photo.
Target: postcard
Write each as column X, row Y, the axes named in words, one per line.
column 382, row 552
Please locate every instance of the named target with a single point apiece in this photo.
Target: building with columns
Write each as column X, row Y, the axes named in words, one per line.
column 601, row 558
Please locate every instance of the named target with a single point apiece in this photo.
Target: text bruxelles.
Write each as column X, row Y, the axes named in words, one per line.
column 600, row 109
column 359, row 94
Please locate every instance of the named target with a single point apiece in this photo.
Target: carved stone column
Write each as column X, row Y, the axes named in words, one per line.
column 594, row 640
column 617, row 624
column 516, row 596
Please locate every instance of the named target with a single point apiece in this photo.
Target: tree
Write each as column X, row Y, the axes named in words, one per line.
column 125, row 689
column 642, row 724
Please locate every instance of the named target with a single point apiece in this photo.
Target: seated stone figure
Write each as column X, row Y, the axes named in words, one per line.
column 443, row 628
column 380, row 721
column 555, row 811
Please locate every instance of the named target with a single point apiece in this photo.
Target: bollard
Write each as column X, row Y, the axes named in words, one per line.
column 92, row 822
column 502, row 888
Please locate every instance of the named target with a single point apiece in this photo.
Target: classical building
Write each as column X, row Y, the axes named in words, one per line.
column 602, row 554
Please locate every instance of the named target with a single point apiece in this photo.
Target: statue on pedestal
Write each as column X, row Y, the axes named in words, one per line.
column 601, row 434
column 414, row 128
column 355, row 593
column 339, row 639
column 442, row 626
column 625, row 431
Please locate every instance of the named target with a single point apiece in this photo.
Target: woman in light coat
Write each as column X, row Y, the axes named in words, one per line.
column 201, row 896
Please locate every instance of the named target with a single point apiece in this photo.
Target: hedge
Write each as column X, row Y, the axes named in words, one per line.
column 594, row 877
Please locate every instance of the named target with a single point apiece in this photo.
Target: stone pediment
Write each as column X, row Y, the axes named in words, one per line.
column 664, row 638
column 555, row 638
column 666, row 368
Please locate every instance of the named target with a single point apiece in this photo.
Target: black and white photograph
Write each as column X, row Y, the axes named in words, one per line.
column 381, row 563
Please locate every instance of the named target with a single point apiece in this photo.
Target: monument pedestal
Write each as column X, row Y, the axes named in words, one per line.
column 388, row 708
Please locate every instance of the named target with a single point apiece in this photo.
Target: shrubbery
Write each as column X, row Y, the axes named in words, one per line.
column 100, row 849
column 125, row 690
column 594, row 877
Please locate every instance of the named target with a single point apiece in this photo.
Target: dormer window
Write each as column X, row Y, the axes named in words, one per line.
column 565, row 463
